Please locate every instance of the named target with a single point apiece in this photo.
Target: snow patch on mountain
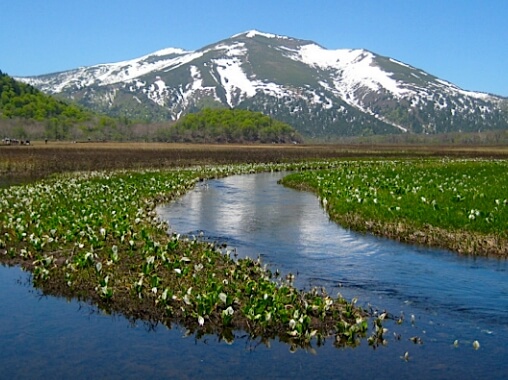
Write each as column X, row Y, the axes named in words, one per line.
column 197, row 80
column 157, row 91
column 159, row 83
column 119, row 72
column 355, row 69
column 239, row 87
column 253, row 33
column 233, row 78
column 128, row 70
column 401, row 63
column 454, row 89
column 196, row 85
column 168, row 51
column 317, row 56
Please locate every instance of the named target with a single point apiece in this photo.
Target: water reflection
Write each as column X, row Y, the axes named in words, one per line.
column 270, row 212
column 290, row 231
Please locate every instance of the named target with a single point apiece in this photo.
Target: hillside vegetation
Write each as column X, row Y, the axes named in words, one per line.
column 230, row 126
column 18, row 99
column 26, row 112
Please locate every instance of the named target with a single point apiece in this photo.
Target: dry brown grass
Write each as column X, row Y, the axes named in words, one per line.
column 28, row 163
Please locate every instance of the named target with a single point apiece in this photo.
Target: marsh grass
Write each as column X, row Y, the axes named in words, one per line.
column 89, row 230
column 21, row 164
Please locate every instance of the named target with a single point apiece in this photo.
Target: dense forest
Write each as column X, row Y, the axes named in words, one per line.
column 230, row 126
column 18, row 99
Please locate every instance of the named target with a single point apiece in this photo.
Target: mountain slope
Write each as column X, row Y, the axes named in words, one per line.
column 28, row 113
column 322, row 93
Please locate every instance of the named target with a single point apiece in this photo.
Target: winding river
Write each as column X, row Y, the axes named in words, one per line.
column 446, row 301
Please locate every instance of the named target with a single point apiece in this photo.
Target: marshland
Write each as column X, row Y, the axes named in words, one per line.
column 83, row 221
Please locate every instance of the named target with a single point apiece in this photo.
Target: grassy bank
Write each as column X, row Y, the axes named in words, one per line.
column 461, row 205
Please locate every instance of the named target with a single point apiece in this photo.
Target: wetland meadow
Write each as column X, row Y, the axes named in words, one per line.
column 82, row 220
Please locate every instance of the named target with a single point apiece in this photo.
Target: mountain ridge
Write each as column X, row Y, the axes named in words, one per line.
column 320, row 92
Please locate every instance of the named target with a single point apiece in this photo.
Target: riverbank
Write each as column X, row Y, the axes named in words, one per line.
column 459, row 205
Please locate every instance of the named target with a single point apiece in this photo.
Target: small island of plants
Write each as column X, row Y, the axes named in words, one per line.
column 96, row 237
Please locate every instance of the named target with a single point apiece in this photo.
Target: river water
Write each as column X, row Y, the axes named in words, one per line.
column 442, row 297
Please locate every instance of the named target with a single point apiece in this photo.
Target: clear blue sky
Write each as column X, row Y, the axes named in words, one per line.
column 462, row 41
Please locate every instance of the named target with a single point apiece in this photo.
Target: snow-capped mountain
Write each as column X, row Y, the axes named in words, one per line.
column 320, row 92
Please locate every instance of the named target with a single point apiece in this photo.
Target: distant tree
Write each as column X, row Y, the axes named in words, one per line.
column 232, row 125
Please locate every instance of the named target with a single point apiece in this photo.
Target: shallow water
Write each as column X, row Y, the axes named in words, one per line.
column 451, row 297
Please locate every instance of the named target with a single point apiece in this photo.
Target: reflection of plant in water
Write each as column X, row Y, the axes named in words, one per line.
column 97, row 237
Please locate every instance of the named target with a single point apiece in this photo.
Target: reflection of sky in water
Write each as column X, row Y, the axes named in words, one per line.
column 233, row 206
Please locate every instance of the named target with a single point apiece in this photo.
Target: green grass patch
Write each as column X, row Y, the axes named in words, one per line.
column 457, row 204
